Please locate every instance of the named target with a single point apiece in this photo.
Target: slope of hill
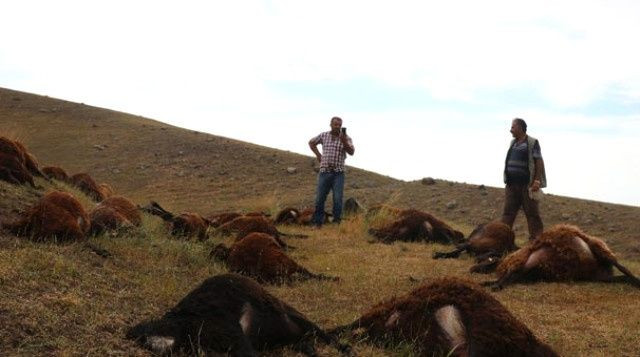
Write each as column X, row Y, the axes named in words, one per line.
column 66, row 300
column 187, row 170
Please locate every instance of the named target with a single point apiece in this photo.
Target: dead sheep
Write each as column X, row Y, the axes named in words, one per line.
column 88, row 185
column 562, row 253
column 448, row 317
column 292, row 215
column 493, row 239
column 186, row 224
column 246, row 225
column 288, row 215
column 16, row 149
column 57, row 215
column 113, row 213
column 14, row 172
column 55, row 173
column 30, row 161
column 259, row 255
column 413, row 226
column 219, row 219
column 106, row 190
column 230, row 314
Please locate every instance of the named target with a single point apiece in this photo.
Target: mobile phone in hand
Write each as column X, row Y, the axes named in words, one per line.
column 344, row 131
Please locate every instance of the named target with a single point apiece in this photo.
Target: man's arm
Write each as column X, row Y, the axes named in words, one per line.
column 313, row 145
column 348, row 145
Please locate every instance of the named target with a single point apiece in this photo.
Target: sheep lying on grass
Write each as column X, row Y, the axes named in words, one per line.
column 58, row 216
column 259, row 255
column 14, row 172
column 492, row 239
column 113, row 213
column 230, row 314
column 563, row 253
column 448, row 317
column 57, row 173
column 30, row 161
column 218, row 219
column 292, row 215
column 88, row 185
column 246, row 225
column 17, row 165
column 186, row 224
column 414, row 225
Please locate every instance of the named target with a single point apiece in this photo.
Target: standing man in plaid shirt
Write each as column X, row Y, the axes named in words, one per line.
column 335, row 145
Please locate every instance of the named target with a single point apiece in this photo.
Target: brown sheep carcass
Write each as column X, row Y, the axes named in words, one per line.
column 13, row 171
column 58, row 215
column 186, row 224
column 56, row 173
column 245, row 225
column 306, row 217
column 563, row 253
column 449, row 317
column 9, row 147
column 113, row 213
column 413, row 225
column 106, row 190
column 219, row 219
column 88, row 185
column 492, row 239
column 30, row 161
column 234, row 315
column 288, row 215
column 259, row 255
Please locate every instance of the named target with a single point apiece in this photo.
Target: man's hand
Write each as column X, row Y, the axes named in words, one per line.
column 319, row 157
column 535, row 186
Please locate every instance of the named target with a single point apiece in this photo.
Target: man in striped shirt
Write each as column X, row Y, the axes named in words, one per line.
column 335, row 145
column 524, row 175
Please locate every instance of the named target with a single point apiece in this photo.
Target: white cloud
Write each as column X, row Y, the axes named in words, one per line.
column 209, row 66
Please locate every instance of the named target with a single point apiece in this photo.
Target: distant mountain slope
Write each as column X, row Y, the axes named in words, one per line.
column 187, row 170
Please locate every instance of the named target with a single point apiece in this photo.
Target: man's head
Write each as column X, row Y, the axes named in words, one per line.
column 336, row 124
column 518, row 128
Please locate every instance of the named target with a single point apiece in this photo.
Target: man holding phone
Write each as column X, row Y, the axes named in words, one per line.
column 335, row 145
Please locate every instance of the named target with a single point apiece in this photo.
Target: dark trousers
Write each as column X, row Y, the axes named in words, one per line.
column 334, row 181
column 516, row 196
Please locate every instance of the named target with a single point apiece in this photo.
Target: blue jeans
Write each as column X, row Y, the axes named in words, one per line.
column 333, row 181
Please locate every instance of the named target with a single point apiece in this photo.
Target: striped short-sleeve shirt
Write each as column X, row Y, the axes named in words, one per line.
column 333, row 151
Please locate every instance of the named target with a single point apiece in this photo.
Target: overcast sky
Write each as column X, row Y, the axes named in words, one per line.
column 426, row 88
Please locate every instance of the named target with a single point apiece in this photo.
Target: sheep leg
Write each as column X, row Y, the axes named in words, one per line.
column 453, row 254
column 313, row 330
column 507, row 279
column 630, row 278
column 304, row 273
column 485, row 266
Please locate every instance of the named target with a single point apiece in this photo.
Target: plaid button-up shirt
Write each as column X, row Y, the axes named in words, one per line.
column 333, row 151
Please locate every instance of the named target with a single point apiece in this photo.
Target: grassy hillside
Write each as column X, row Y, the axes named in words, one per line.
column 66, row 300
column 187, row 170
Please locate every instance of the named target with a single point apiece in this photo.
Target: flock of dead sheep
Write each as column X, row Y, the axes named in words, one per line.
column 232, row 313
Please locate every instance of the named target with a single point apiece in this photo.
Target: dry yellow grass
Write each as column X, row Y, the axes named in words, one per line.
column 65, row 300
